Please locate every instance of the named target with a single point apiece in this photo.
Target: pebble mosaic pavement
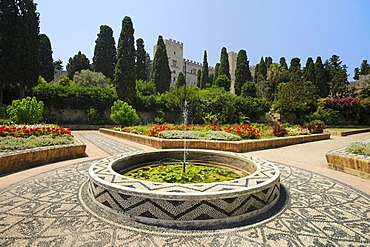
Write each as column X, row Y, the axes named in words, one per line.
column 52, row 209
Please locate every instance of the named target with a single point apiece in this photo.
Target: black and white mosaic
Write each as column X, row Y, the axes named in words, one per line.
column 50, row 210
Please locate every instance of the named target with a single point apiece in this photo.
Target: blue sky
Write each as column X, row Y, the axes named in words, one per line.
column 289, row 28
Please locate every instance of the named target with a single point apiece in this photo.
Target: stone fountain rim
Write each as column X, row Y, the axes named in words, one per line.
column 109, row 178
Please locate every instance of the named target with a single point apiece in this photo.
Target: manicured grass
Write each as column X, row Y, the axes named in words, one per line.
column 344, row 129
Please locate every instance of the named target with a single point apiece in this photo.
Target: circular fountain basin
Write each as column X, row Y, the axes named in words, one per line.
column 185, row 204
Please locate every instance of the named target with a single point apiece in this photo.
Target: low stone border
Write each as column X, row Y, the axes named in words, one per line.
column 355, row 164
column 232, row 146
column 194, row 205
column 347, row 133
column 24, row 159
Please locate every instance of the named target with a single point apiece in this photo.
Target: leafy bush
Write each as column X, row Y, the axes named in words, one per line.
column 279, row 130
column 191, row 134
column 224, row 82
column 327, row 115
column 315, row 126
column 75, row 97
column 27, row 110
column 93, row 116
column 11, row 143
column 359, row 148
column 123, row 114
column 90, row 78
column 349, row 109
column 3, row 113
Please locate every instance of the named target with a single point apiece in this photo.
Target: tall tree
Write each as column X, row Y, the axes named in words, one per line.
column 365, row 68
column 224, row 63
column 321, row 81
column 199, row 78
column 105, row 53
column 262, row 70
column 274, row 75
column 268, row 62
column 180, row 80
column 242, row 72
column 77, row 63
column 46, row 58
column 161, row 68
column 205, row 72
column 295, row 72
column 125, row 74
column 148, row 65
column 217, row 68
column 9, row 38
column 309, row 70
column 338, row 77
column 58, row 65
column 283, row 63
column 356, row 76
column 141, row 66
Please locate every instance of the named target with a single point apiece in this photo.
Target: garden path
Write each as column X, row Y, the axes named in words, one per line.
column 48, row 206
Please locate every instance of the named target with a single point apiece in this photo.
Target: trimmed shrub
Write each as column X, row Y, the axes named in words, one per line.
column 27, row 110
column 315, row 126
column 279, row 130
column 93, row 116
column 123, row 114
column 359, row 148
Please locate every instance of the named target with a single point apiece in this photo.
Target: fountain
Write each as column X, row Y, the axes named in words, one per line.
column 185, row 204
column 196, row 205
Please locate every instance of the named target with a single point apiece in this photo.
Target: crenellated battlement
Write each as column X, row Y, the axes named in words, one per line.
column 174, row 42
column 191, row 62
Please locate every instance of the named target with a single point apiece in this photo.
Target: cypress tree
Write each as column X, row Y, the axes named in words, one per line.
column 242, row 72
column 262, row 70
column 256, row 72
column 217, row 67
column 161, row 68
column 295, row 72
column 9, row 44
column 365, row 68
column 320, row 78
column 199, row 78
column 105, row 53
column 309, row 70
column 141, row 67
column 125, row 74
column 205, row 72
column 180, row 80
column 283, row 63
column 77, row 63
column 46, row 58
column 357, row 74
column 28, row 50
column 224, row 63
column 268, row 62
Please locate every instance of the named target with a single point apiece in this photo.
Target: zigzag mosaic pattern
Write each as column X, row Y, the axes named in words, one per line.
column 188, row 202
column 184, row 210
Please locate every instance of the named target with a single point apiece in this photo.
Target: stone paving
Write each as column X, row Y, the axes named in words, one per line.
column 53, row 209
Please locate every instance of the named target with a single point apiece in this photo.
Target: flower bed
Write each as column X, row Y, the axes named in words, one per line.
column 32, row 130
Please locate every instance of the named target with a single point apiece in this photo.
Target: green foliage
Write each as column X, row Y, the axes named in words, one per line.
column 75, row 97
column 46, row 58
column 180, row 80
column 161, row 68
column 295, row 73
column 90, row 78
column 283, row 63
column 125, row 71
column 141, row 61
column 65, row 81
column 199, row 78
column 205, row 72
column 250, row 107
column 224, row 68
column 338, row 77
column 327, row 115
column 204, row 135
column 261, row 72
column 315, row 126
column 105, row 53
column 123, row 114
column 77, row 63
column 26, row 111
column 321, row 80
column 249, row 89
column 242, row 72
column 365, row 68
column 19, row 45
column 93, row 116
column 11, row 143
column 359, row 148
column 224, row 82
column 309, row 70
column 217, row 68
column 211, row 119
column 174, row 173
